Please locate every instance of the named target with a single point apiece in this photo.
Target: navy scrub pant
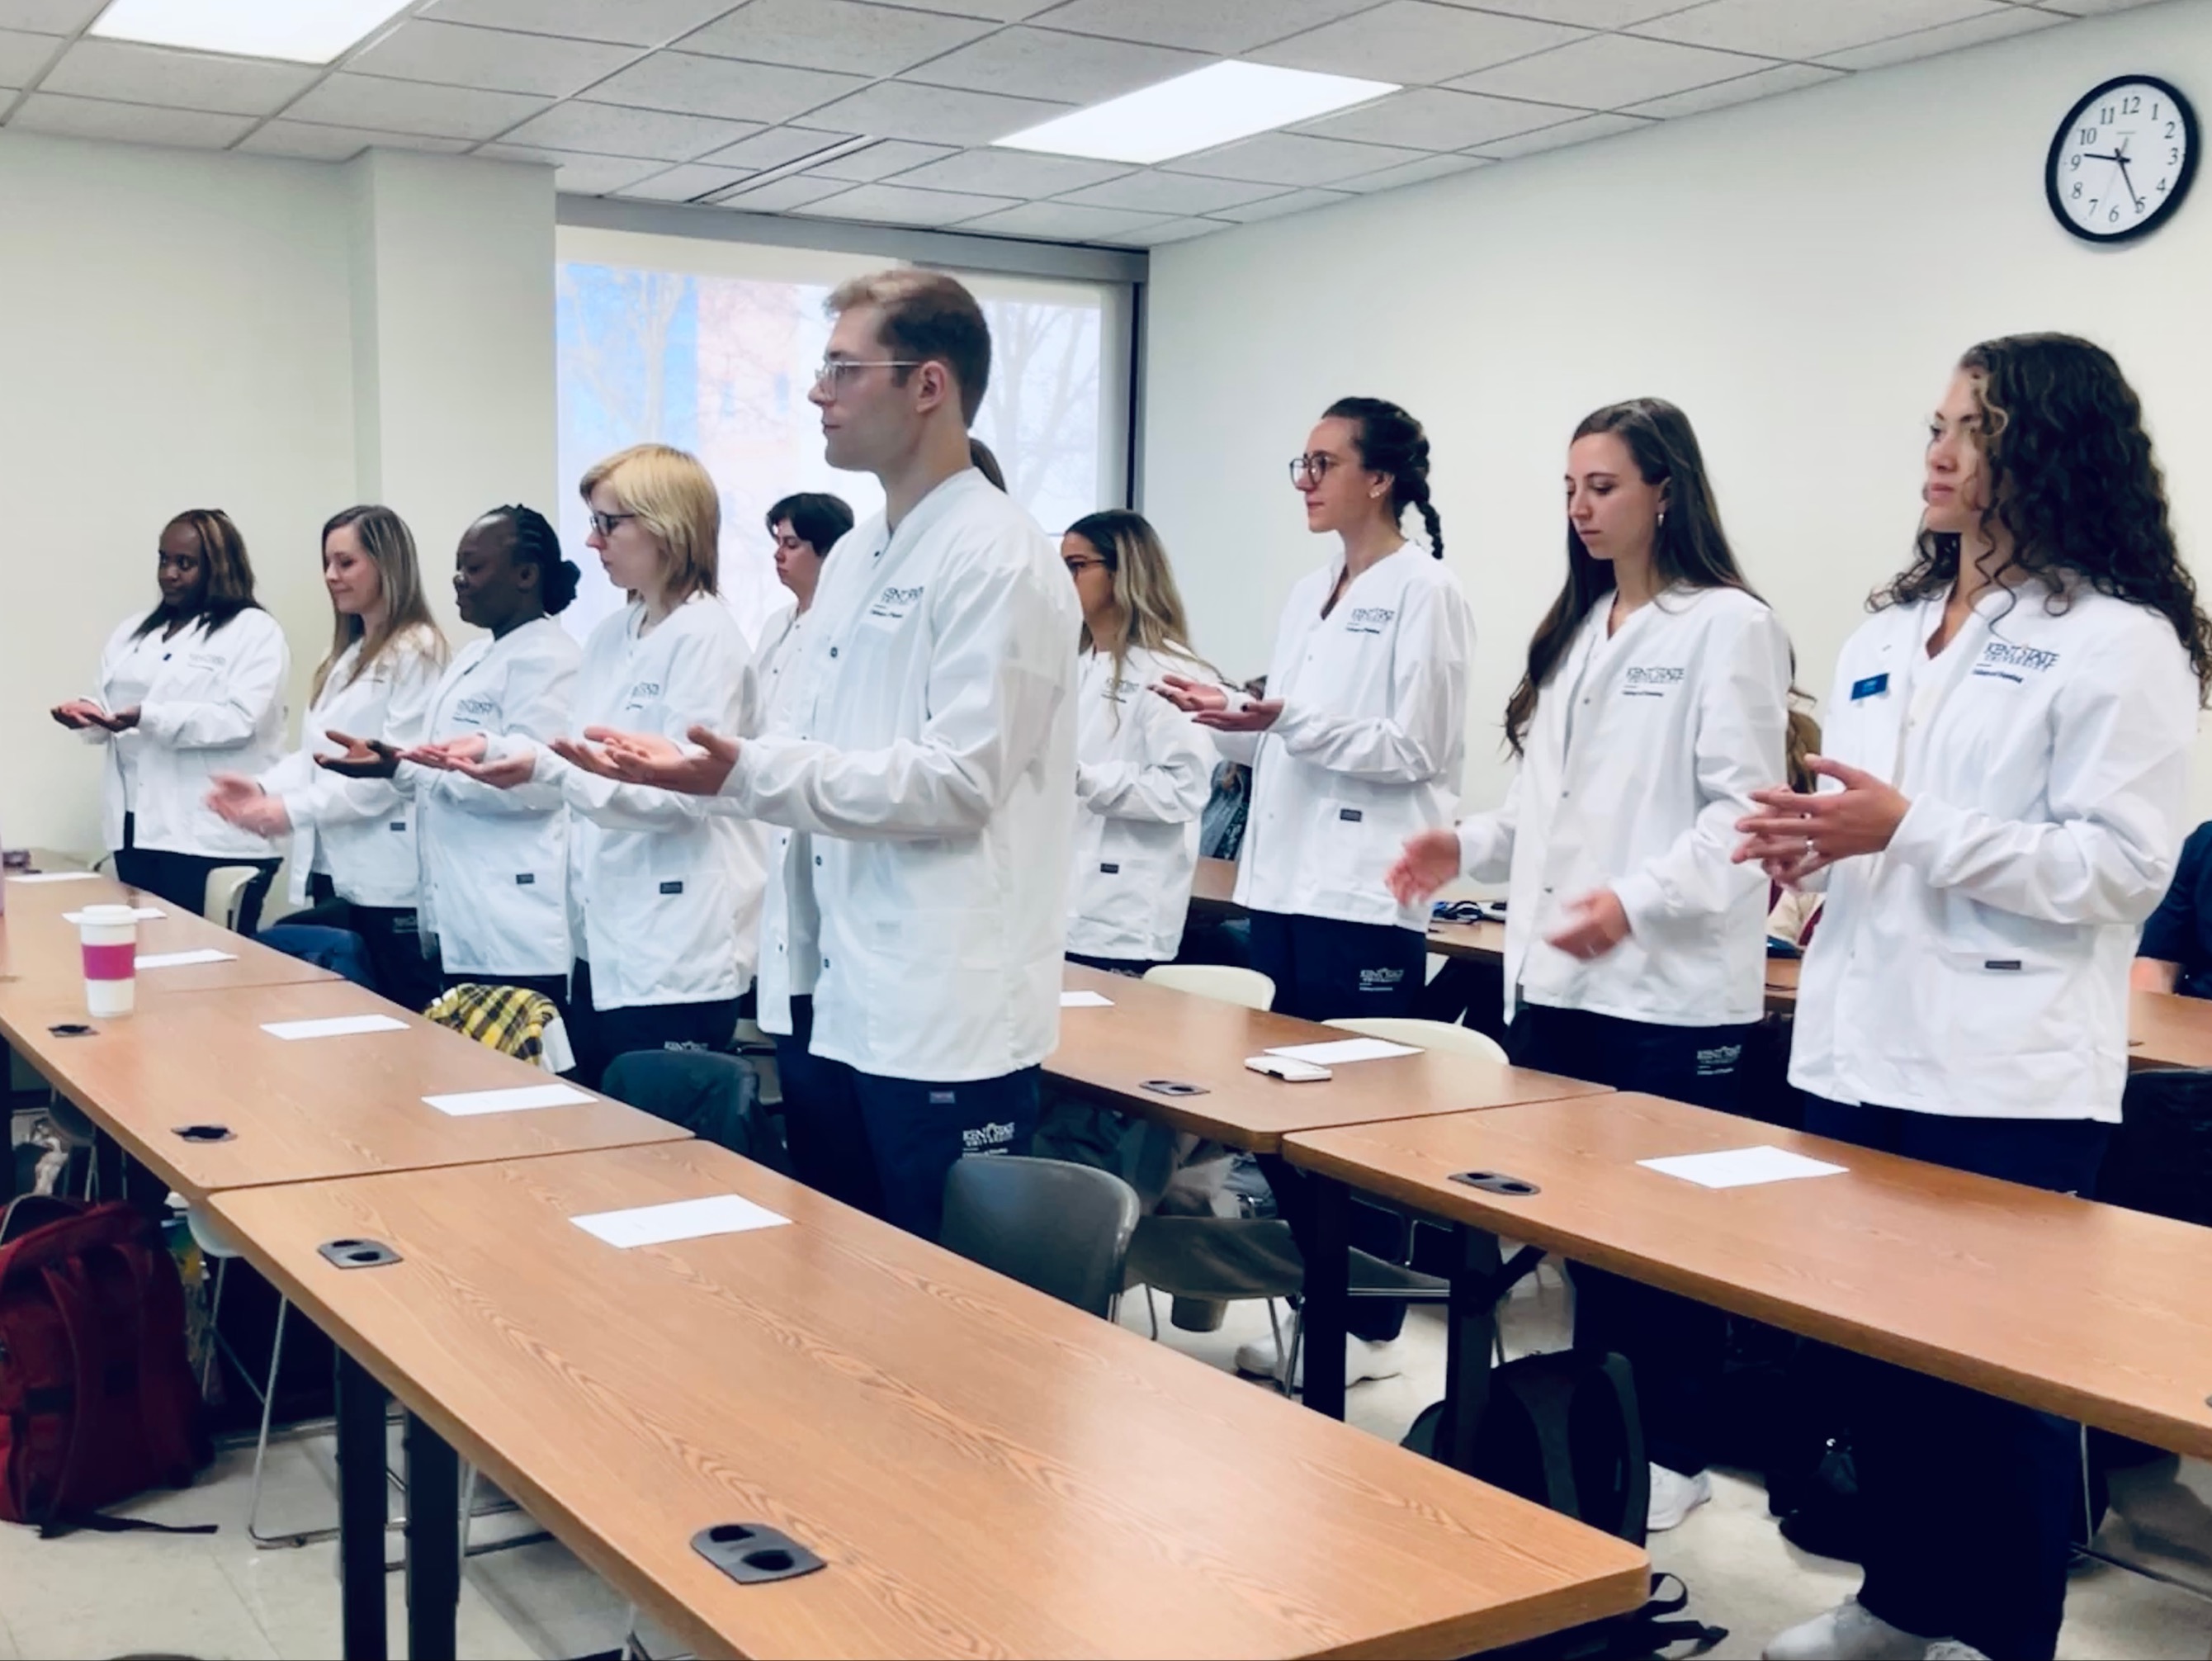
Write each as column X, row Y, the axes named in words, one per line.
column 886, row 1144
column 1969, row 1502
column 181, row 878
column 598, row 1036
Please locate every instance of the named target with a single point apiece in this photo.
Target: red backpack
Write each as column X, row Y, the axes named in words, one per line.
column 97, row 1397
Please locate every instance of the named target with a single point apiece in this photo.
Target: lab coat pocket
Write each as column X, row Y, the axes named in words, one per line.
column 1349, row 840
column 2000, row 999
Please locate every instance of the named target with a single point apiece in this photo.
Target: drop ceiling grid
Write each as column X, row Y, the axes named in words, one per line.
column 885, row 110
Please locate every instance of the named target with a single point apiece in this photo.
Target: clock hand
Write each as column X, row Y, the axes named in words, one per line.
column 2128, row 178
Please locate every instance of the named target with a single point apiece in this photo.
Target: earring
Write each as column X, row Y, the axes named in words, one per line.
column 1663, row 520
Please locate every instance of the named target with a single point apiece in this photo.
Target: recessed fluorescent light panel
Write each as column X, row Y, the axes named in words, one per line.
column 298, row 31
column 1195, row 112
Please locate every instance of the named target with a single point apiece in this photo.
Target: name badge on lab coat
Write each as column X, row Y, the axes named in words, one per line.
column 1872, row 686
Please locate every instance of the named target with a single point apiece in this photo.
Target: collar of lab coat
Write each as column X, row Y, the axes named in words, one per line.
column 933, row 507
column 1336, row 568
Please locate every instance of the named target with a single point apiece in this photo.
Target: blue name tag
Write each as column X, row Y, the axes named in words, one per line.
column 1872, row 686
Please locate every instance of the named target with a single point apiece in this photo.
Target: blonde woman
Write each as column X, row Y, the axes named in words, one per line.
column 665, row 889
column 353, row 839
column 1143, row 769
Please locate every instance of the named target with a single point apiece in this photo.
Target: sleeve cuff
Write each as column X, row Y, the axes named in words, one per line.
column 1921, row 834
column 154, row 722
column 1642, row 900
column 299, row 807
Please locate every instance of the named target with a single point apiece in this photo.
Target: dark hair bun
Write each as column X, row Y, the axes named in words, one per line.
column 557, row 586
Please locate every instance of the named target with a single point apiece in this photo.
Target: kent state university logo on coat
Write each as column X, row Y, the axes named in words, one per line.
column 896, row 603
column 1651, row 680
column 2002, row 660
column 1369, row 619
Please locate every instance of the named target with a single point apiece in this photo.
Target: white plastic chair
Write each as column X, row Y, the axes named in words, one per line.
column 226, row 890
column 1247, row 987
column 1447, row 1036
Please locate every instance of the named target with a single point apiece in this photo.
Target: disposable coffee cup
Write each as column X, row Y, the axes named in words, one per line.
column 110, row 937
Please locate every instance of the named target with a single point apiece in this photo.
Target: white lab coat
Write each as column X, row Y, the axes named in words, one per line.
column 1979, row 965
column 212, row 704
column 925, row 778
column 1368, row 747
column 665, row 889
column 1641, row 757
column 779, row 651
column 494, row 864
column 360, row 832
column 1144, row 771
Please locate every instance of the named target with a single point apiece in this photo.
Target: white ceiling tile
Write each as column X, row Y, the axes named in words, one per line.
column 1944, row 37
column 1806, row 28
column 1290, row 158
column 722, row 87
column 780, row 195
column 365, row 100
column 1605, row 71
column 500, row 60
column 1040, row 63
column 895, row 204
column 1430, row 119
column 999, row 11
column 1217, row 26
column 1180, row 193
column 1415, row 173
column 1011, row 173
column 1169, row 230
column 22, row 55
column 133, row 74
column 1744, row 90
column 49, row 16
column 880, row 161
column 1578, row 132
column 775, row 147
column 129, row 124
column 1589, row 13
column 2090, row 7
column 613, row 130
column 1063, row 221
column 1414, row 42
column 305, row 142
column 686, row 183
column 624, row 22
column 577, row 175
column 1276, row 206
column 942, row 115
column 835, row 34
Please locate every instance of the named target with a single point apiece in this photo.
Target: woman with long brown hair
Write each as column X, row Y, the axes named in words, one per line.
column 353, row 839
column 1653, row 704
column 191, row 688
column 1143, row 769
column 2003, row 805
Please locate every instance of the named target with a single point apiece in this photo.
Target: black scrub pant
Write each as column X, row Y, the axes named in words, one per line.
column 388, row 934
column 181, row 878
column 598, row 1036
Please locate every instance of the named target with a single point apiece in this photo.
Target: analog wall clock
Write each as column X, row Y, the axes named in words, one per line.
column 2121, row 159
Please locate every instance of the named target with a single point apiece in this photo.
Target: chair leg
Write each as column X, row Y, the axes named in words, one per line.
column 468, row 1508
column 215, row 1321
column 261, row 1446
column 1275, row 1325
column 1153, row 1309
column 1288, row 1381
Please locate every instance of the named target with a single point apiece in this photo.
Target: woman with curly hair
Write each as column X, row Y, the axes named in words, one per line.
column 2001, row 806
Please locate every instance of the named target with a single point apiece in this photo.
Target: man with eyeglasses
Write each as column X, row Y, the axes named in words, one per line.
column 922, row 772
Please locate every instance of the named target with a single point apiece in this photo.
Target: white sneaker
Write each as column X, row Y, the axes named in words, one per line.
column 1849, row 1632
column 1674, row 1496
column 1950, row 1649
column 1364, row 1359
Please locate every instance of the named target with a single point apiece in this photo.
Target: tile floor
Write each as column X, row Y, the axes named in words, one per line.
column 106, row 1595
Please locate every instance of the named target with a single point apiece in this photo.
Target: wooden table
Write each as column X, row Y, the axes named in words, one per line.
column 985, row 1471
column 39, row 948
column 1214, row 887
column 2088, row 1311
column 2166, row 1028
column 298, row 1112
column 1485, row 942
column 1154, row 1033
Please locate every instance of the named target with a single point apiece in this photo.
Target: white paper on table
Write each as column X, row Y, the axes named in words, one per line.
column 1085, row 1000
column 1742, row 1167
column 54, row 876
column 1345, row 1049
column 185, row 960
column 143, row 913
column 680, row 1219
column 335, row 1026
column 470, row 1103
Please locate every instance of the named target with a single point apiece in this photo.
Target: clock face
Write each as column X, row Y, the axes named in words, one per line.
column 2121, row 159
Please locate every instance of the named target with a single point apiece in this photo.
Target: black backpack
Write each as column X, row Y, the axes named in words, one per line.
column 1562, row 1430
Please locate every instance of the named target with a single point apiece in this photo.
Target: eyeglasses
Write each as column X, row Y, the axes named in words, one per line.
column 831, row 377
column 1308, row 469
column 605, row 523
column 1076, row 565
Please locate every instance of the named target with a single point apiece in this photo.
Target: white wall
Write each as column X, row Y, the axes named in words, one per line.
column 185, row 330
column 1798, row 275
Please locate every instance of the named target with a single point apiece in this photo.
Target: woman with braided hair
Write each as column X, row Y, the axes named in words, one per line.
column 1357, row 746
column 494, row 863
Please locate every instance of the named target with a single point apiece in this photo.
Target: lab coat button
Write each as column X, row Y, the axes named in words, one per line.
column 825, row 963
column 817, row 859
column 833, row 651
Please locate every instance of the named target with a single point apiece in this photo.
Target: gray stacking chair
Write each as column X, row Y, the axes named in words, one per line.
column 1063, row 1228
